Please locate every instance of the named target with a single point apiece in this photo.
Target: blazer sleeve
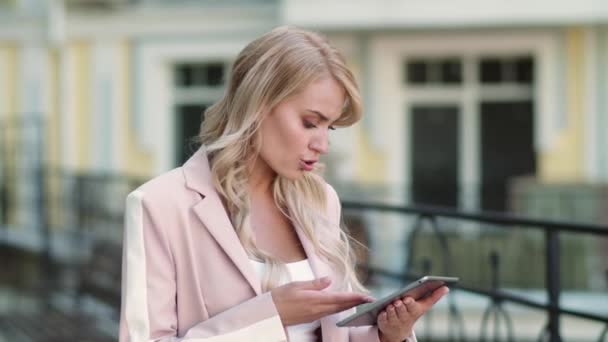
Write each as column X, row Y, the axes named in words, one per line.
column 356, row 334
column 148, row 307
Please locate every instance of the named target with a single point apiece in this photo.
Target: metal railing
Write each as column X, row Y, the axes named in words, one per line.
column 87, row 203
column 552, row 259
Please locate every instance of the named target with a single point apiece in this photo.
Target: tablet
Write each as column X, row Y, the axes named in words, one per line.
column 367, row 313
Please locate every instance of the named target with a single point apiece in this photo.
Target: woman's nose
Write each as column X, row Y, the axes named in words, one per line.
column 320, row 144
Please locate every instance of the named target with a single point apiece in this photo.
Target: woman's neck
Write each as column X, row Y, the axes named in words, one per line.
column 261, row 177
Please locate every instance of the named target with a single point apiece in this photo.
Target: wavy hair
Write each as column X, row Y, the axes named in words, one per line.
column 268, row 70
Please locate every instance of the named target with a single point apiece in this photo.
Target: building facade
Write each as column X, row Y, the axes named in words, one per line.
column 461, row 99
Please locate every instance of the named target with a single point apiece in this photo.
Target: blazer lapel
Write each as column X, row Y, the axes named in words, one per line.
column 212, row 214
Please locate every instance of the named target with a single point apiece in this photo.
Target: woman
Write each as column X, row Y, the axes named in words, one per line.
column 243, row 242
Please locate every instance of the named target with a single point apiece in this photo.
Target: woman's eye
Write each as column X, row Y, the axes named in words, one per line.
column 308, row 124
column 332, row 128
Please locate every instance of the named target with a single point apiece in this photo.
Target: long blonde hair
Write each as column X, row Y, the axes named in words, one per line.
column 270, row 69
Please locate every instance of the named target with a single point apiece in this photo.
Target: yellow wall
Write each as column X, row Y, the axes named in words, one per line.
column 135, row 161
column 565, row 161
column 81, row 102
column 10, row 83
column 371, row 163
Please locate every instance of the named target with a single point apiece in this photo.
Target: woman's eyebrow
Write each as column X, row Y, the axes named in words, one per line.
column 323, row 117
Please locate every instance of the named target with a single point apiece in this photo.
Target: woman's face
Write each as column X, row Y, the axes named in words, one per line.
column 295, row 132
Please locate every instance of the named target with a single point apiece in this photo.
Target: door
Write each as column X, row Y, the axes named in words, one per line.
column 434, row 144
column 507, row 149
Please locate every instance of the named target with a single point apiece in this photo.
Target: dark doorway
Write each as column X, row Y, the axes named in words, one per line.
column 188, row 122
column 507, row 149
column 435, row 155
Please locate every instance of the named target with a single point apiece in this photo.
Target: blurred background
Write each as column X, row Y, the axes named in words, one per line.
column 482, row 154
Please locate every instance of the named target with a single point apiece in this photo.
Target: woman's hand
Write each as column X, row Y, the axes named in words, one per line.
column 304, row 301
column 396, row 321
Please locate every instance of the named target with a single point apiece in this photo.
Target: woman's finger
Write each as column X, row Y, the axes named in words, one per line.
column 392, row 314
column 401, row 309
column 434, row 297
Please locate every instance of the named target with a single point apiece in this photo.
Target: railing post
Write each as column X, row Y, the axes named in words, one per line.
column 552, row 278
column 43, row 221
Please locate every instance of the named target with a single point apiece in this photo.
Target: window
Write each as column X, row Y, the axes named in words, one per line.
column 436, row 71
column 201, row 74
column 502, row 70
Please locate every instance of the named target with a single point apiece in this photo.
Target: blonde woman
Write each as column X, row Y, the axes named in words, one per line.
column 243, row 243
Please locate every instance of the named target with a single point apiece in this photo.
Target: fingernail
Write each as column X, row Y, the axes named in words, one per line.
column 398, row 303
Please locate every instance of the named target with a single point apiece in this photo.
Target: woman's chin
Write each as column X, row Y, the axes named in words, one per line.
column 294, row 175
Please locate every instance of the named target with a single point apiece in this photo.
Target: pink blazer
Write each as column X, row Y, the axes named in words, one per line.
column 186, row 276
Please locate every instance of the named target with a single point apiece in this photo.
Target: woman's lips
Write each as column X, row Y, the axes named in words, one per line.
column 307, row 165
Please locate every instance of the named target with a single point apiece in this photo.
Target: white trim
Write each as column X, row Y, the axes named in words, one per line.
column 99, row 63
column 371, row 14
column 105, row 119
column 171, row 21
column 117, row 140
column 591, row 150
column 154, row 114
column 21, row 28
column 385, row 85
column 469, row 171
column 560, row 62
column 34, row 70
column 196, row 95
column 56, row 22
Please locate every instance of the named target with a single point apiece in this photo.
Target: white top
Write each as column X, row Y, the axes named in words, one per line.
column 298, row 271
